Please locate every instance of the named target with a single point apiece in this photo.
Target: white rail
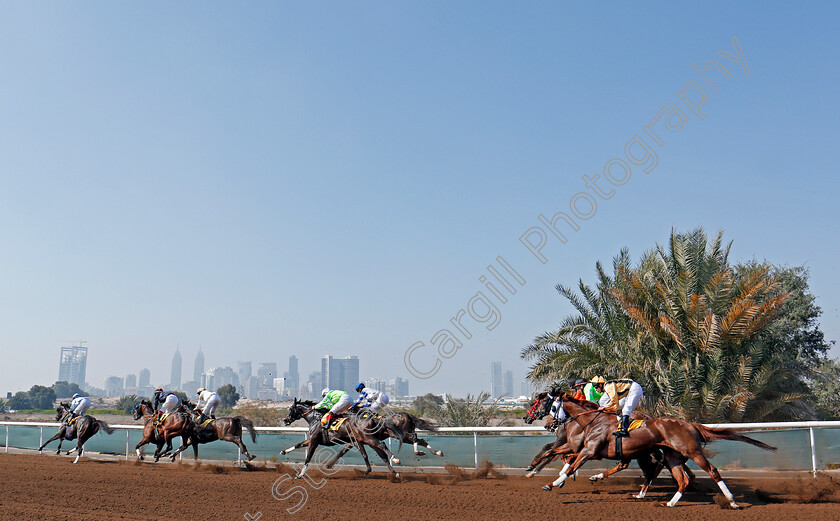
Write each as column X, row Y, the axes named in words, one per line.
column 810, row 425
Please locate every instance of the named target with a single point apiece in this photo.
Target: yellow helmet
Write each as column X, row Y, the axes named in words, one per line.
column 598, row 380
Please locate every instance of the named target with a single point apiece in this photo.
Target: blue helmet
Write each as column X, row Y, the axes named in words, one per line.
column 76, row 395
column 360, row 387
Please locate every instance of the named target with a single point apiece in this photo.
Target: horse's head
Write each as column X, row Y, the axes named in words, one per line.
column 295, row 412
column 61, row 410
column 540, row 407
column 138, row 411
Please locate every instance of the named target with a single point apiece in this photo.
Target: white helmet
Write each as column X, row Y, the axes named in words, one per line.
column 76, row 396
column 200, row 390
column 324, row 391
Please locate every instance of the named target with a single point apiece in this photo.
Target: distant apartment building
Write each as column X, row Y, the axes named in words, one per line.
column 114, row 386
column 73, row 365
column 145, row 378
column 508, row 383
column 292, row 377
column 400, row 387
column 340, row 373
column 219, row 377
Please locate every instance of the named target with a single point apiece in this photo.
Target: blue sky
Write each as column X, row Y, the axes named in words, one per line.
column 289, row 179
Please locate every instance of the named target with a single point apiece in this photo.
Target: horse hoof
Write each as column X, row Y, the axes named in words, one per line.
column 395, row 461
column 298, row 476
column 530, row 468
column 419, row 453
column 735, row 506
column 251, row 458
column 439, row 453
column 529, row 474
column 547, row 488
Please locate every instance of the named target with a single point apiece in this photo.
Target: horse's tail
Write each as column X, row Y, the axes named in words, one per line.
column 394, row 431
column 105, row 427
column 420, row 423
column 248, row 425
column 710, row 434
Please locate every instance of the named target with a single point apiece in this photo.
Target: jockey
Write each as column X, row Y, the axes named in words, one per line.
column 577, row 385
column 376, row 399
column 79, row 406
column 336, row 401
column 165, row 402
column 210, row 401
column 623, row 395
column 594, row 389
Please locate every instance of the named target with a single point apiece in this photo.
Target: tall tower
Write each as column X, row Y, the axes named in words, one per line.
column 145, row 378
column 199, row 366
column 73, row 364
column 294, row 375
column 175, row 377
column 496, row 379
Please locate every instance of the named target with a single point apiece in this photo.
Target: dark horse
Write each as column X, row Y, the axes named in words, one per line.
column 358, row 432
column 225, row 429
column 176, row 424
column 407, row 423
column 82, row 429
column 589, row 433
column 540, row 407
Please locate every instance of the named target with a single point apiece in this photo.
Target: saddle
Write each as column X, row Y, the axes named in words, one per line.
column 206, row 422
column 634, row 424
column 73, row 420
column 336, row 424
column 364, row 415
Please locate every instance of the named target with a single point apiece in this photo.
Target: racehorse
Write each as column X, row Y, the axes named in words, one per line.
column 82, row 429
column 407, row 423
column 176, row 424
column 225, row 429
column 359, row 433
column 589, row 433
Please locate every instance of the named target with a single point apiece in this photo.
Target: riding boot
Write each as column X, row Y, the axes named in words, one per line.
column 201, row 418
column 623, row 426
column 213, row 416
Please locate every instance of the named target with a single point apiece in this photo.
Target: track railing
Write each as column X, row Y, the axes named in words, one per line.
column 475, row 431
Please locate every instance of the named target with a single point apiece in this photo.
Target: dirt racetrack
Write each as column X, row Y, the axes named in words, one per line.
column 46, row 488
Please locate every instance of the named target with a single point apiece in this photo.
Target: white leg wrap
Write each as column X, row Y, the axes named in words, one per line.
column 596, row 477
column 674, row 499
column 416, row 448
column 727, row 493
column 559, row 481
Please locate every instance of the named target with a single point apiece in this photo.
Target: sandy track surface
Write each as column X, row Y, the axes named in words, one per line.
column 53, row 488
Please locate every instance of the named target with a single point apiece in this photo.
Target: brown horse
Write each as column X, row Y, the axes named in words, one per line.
column 589, row 434
column 540, row 407
column 651, row 464
column 82, row 429
column 176, row 424
column 407, row 423
column 349, row 432
column 225, row 429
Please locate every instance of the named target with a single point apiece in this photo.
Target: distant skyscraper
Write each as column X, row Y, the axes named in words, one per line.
column 145, row 378
column 266, row 374
column 114, row 386
column 509, row 383
column 400, row 387
column 340, row 373
column 73, row 365
column 496, row 379
column 131, row 380
column 198, row 369
column 175, row 377
column 244, row 370
column 525, row 388
column 220, row 376
column 293, row 375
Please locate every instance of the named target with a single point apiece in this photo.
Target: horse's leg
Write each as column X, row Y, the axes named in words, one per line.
column 55, row 437
column 304, row 443
column 383, row 452
column 363, row 452
column 424, row 443
column 569, row 469
column 310, row 450
column 238, row 440
column 538, row 458
column 391, row 458
column 676, row 462
column 712, row 471
column 545, row 456
column 147, row 438
column 338, row 456
column 80, row 445
column 604, row 475
column 182, row 448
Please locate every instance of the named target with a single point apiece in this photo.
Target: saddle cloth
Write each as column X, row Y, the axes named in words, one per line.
column 634, row 424
column 336, row 424
column 71, row 422
column 367, row 414
column 207, row 422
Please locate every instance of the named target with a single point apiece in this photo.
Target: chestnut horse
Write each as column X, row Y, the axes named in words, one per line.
column 225, row 429
column 176, row 424
column 589, row 432
column 82, row 429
